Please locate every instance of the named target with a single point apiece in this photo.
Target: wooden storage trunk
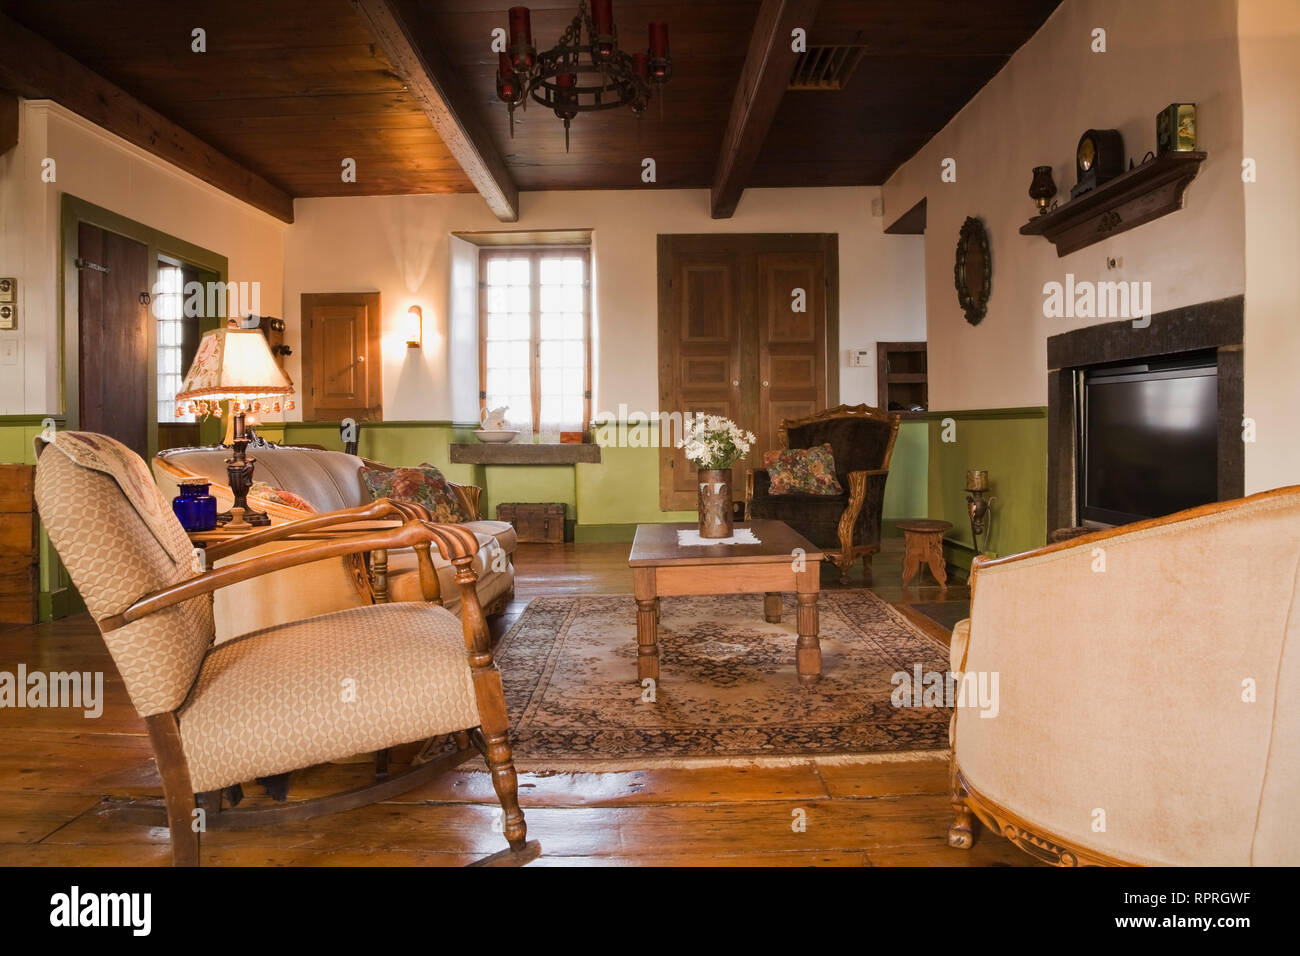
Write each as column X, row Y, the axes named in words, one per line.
column 18, row 552
column 543, row 522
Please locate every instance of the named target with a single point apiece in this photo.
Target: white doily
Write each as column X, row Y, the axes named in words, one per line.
column 690, row 538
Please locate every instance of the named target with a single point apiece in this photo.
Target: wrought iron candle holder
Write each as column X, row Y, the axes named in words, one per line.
column 979, row 507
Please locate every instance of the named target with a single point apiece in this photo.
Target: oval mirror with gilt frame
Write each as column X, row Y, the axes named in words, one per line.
column 973, row 272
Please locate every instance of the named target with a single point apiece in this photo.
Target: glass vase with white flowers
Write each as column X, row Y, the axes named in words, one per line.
column 714, row 444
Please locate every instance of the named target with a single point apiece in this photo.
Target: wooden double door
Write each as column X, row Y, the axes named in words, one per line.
column 748, row 329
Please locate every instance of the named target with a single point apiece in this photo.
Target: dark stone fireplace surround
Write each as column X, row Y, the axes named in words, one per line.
column 1214, row 325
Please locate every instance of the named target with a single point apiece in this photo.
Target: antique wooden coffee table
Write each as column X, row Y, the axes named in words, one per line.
column 783, row 561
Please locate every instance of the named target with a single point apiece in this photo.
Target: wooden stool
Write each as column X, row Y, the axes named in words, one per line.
column 923, row 538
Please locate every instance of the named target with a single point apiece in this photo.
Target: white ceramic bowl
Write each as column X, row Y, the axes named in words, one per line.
column 495, row 436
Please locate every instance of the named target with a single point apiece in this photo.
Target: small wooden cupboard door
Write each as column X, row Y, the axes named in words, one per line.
column 342, row 358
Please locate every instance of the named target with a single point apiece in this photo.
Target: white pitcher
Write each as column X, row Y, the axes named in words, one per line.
column 494, row 419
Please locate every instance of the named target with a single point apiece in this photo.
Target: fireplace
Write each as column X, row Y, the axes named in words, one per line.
column 1145, row 421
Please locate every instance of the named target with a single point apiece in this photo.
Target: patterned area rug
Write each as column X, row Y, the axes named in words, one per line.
column 727, row 693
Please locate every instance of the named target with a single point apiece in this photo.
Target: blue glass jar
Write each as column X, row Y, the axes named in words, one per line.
column 195, row 508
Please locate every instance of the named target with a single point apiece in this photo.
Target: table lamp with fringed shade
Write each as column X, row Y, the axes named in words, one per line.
column 236, row 365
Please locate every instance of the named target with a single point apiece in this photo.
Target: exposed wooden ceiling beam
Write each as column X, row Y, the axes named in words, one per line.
column 8, row 121
column 33, row 68
column 429, row 77
column 763, row 81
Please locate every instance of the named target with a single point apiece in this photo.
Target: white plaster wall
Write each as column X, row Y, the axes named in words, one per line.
column 1270, row 79
column 401, row 247
column 100, row 168
column 1032, row 113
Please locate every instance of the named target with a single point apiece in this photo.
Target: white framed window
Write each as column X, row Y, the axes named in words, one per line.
column 168, row 310
column 535, row 337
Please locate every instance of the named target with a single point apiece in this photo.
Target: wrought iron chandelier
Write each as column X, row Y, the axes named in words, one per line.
column 575, row 77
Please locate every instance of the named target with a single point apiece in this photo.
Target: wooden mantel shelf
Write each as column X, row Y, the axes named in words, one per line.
column 508, row 453
column 1140, row 195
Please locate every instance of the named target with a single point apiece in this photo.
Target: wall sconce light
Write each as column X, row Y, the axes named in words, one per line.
column 979, row 506
column 414, row 327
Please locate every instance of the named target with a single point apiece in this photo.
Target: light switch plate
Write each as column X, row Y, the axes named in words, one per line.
column 8, row 351
column 859, row 358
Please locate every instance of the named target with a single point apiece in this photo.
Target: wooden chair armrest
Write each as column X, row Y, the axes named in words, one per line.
column 378, row 509
column 456, row 544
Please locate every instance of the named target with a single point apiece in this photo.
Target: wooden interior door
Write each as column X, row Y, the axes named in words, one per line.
column 735, row 341
column 114, row 372
column 342, row 357
column 699, row 353
column 791, row 342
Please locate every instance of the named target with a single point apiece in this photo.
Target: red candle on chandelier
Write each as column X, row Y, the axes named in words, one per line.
column 660, row 65
column 566, row 96
column 507, row 82
column 602, row 16
column 521, row 27
column 659, row 40
column 641, row 65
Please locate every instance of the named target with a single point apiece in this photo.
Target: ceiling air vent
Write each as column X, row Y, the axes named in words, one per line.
column 826, row 67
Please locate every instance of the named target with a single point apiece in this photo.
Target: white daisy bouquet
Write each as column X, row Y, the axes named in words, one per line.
column 714, row 442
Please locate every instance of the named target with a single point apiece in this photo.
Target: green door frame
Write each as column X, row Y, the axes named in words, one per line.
column 74, row 211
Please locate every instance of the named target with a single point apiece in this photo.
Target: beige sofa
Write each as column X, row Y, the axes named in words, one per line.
column 1149, row 692
column 329, row 481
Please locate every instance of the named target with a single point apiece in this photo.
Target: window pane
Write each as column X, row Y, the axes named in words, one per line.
column 552, row 298
column 574, row 355
column 498, row 272
column 552, row 272
column 572, row 300
column 520, row 274
column 496, row 299
column 573, row 326
column 574, row 273
column 519, row 298
column 552, row 326
column 520, row 327
column 518, row 356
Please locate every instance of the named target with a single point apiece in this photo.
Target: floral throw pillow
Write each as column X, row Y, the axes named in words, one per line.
column 802, row 471
column 261, row 489
column 425, row 485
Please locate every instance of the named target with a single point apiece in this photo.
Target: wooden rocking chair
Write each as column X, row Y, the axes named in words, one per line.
column 285, row 697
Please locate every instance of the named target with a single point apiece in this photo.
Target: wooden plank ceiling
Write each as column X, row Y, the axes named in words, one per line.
column 288, row 88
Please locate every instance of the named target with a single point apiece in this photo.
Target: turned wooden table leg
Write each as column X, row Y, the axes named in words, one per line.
column 647, row 625
column 808, row 650
column 772, row 607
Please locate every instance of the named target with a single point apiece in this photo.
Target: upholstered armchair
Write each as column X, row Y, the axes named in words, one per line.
column 1133, row 695
column 847, row 526
column 283, row 697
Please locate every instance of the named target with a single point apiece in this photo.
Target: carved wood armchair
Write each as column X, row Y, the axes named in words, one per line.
column 847, row 526
column 284, row 697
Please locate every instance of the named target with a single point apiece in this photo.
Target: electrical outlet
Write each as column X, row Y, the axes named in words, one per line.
column 1115, row 262
column 859, row 358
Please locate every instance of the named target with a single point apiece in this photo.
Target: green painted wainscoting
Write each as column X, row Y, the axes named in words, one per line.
column 1009, row 443
column 57, row 598
column 906, row 491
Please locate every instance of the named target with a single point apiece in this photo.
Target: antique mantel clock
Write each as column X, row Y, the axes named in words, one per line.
column 1099, row 158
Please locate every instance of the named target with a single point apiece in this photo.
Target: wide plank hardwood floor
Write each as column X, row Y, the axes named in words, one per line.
column 63, row 780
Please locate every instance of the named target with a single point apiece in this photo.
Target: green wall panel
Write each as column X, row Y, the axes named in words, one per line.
column 1011, row 444
column 623, row 490
column 57, row 597
column 906, row 491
